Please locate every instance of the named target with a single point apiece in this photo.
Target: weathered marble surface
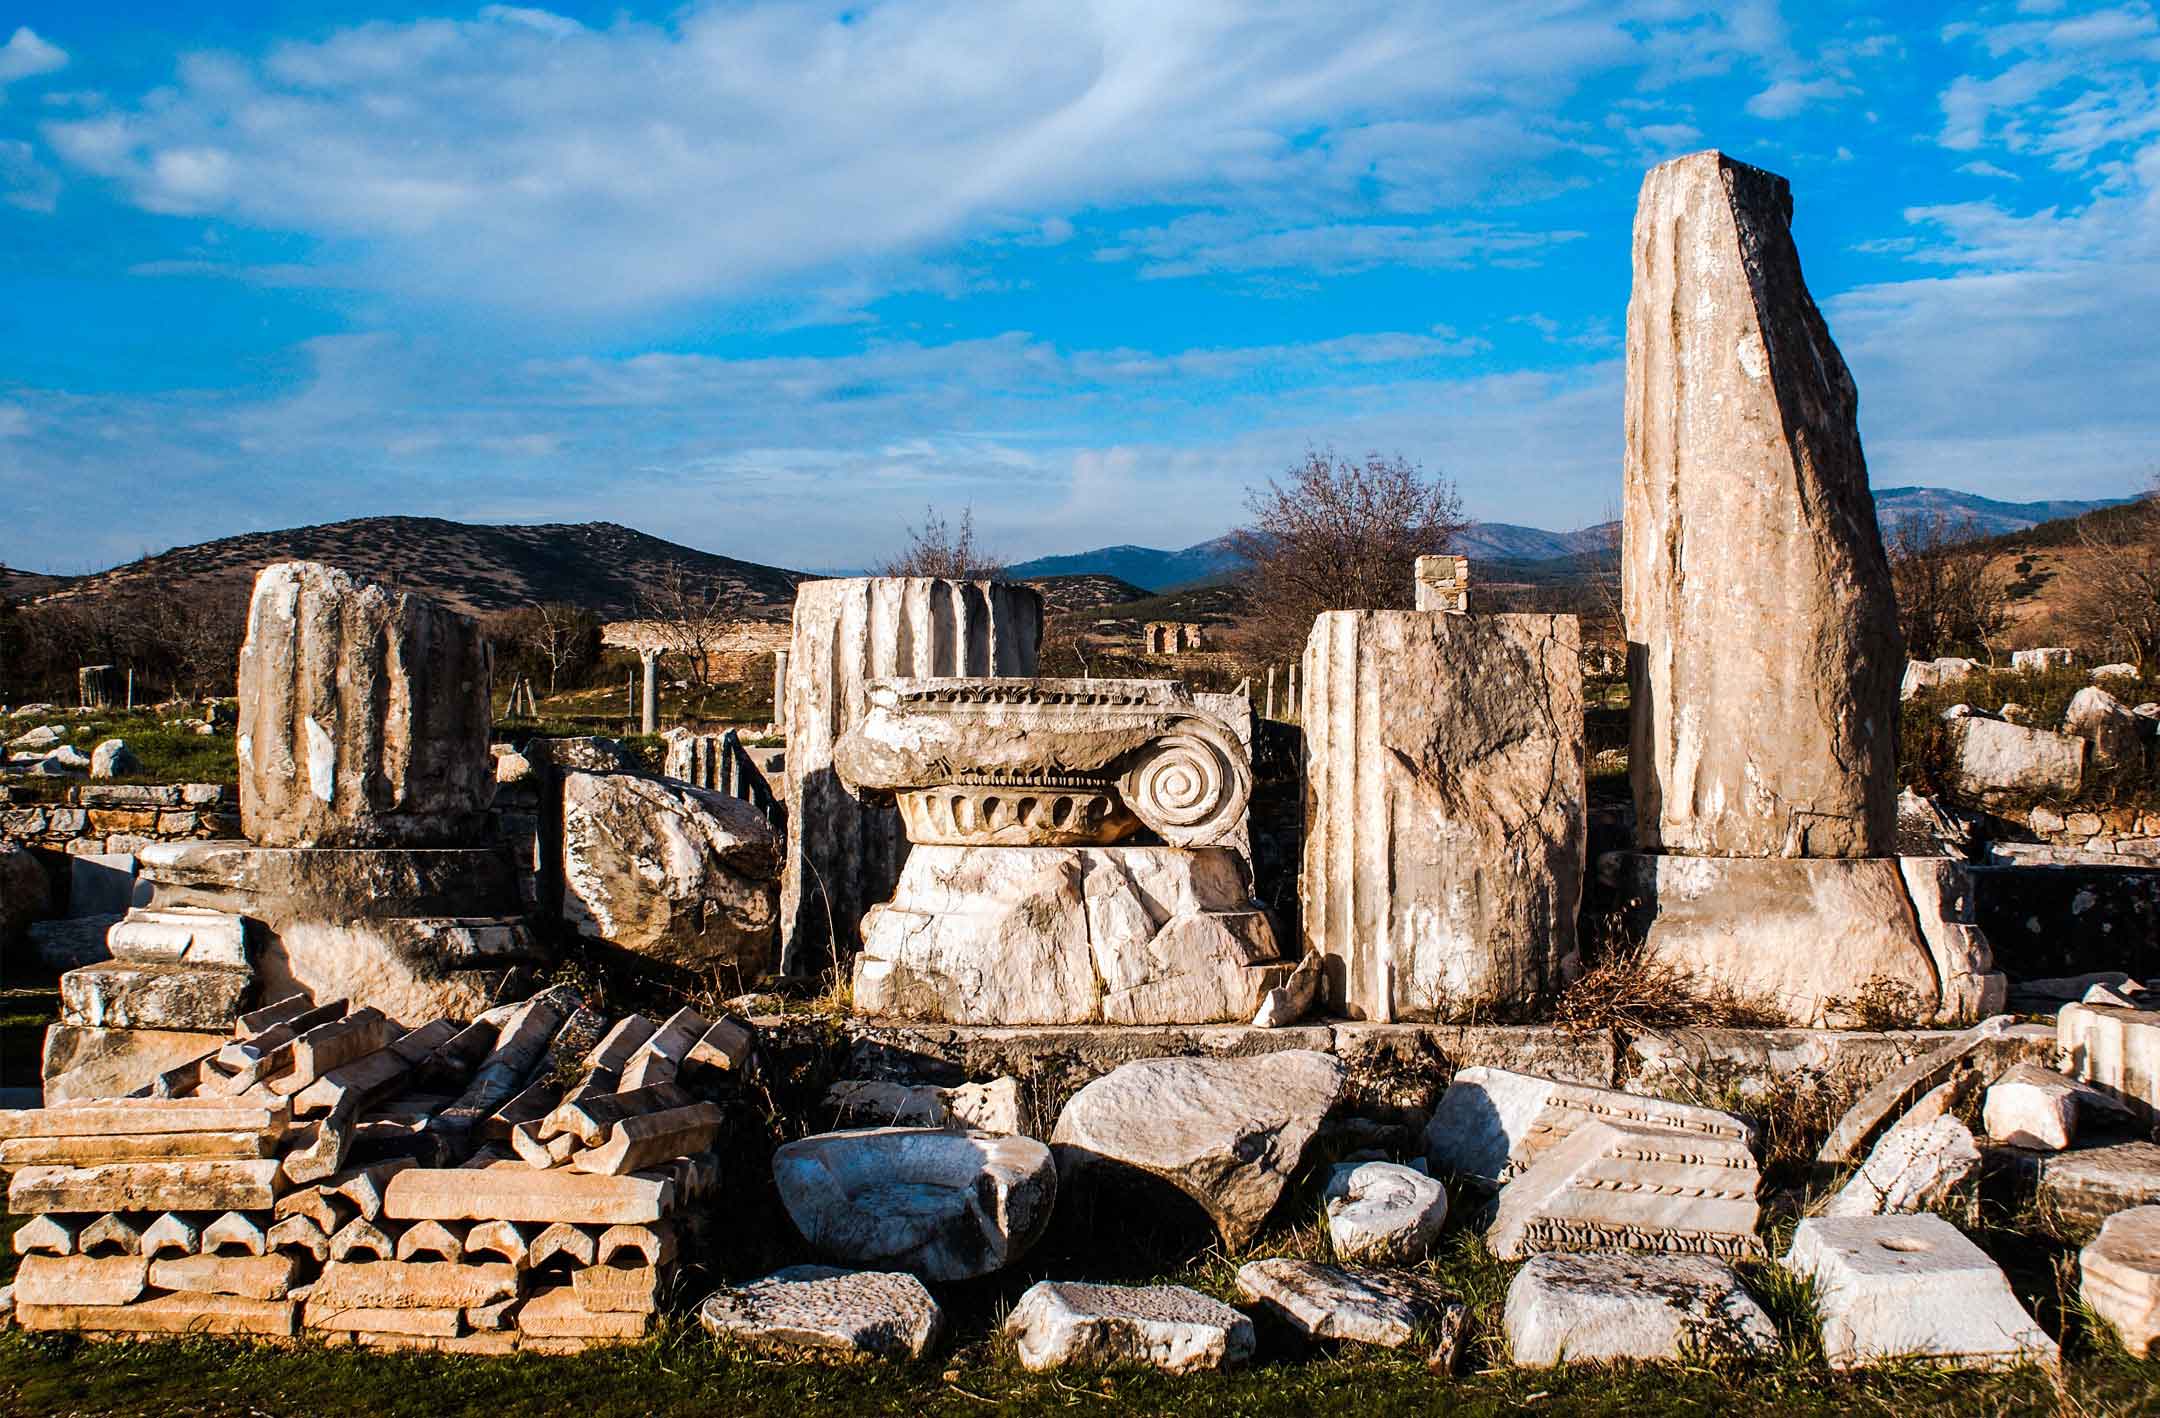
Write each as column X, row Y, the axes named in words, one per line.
column 1764, row 654
column 1444, row 810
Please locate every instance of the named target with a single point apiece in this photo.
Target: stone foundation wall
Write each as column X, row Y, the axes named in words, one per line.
column 95, row 818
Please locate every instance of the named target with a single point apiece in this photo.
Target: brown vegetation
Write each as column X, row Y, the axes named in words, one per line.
column 937, row 548
column 2113, row 609
column 1341, row 535
column 1950, row 601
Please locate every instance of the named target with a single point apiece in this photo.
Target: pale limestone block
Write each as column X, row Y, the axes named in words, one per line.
column 943, row 1205
column 147, row 1186
column 360, row 1240
column 590, row 1119
column 2032, row 1107
column 399, row 1285
column 298, row 1236
column 431, row 1241
column 1229, row 1133
column 636, row 1144
column 555, row 1312
column 181, row 1313
column 1167, row 1327
column 2121, row 1276
column 1607, row 1305
column 416, row 1321
column 1882, row 1104
column 1383, row 1213
column 49, row 1235
column 147, row 1147
column 1383, row 1307
column 1445, row 800
column 818, row 1309
column 608, row 1289
column 80, row 1279
column 654, row 1245
column 265, row 1277
column 180, row 935
column 507, row 1241
column 81, row 1063
column 1998, row 759
column 1916, row 1166
column 234, row 1234
column 1898, row 1288
column 578, row 1245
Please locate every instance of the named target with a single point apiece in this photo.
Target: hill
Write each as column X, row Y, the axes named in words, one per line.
column 1549, row 553
column 1086, row 593
column 26, row 585
column 599, row 565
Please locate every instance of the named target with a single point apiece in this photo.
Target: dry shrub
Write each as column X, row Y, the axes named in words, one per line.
column 1625, row 988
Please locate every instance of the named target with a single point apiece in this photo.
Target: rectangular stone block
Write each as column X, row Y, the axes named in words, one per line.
column 122, row 1117
column 265, row 1277
column 517, row 1192
column 108, row 1063
column 401, row 1285
column 1904, row 1288
column 608, row 1289
column 555, row 1312
column 169, row 1314
column 146, row 1147
column 431, row 1323
column 1445, row 802
column 1491, row 1124
column 80, row 1280
column 121, row 995
column 147, row 1186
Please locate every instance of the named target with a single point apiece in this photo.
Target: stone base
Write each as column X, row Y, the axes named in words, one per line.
column 1068, row 935
column 108, row 1063
column 419, row 934
column 1821, row 941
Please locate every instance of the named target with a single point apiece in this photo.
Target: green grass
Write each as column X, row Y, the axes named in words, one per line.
column 169, row 754
column 1924, row 745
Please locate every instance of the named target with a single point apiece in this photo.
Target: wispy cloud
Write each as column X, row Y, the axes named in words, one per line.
column 26, row 56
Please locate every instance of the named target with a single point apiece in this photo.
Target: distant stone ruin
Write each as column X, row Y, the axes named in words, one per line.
column 1173, row 637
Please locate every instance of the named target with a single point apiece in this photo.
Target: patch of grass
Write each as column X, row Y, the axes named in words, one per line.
column 170, row 752
column 1924, row 743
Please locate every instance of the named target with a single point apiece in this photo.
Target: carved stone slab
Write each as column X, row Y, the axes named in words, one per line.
column 1611, row 1186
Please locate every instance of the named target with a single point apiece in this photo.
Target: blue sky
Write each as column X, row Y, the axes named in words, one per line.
column 767, row 278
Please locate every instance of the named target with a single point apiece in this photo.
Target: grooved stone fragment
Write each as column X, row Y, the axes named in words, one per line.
column 1764, row 654
column 1383, row 1307
column 1167, row 1327
column 1895, row 1288
column 363, row 715
column 1607, row 1305
column 2121, row 1276
column 1612, row 1186
column 1918, row 1163
column 1491, row 1123
column 1227, row 1132
column 883, row 1314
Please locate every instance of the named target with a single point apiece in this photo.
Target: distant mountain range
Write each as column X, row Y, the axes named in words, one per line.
column 1158, row 570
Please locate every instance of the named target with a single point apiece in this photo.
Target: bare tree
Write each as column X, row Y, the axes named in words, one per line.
column 937, row 548
column 1341, row 535
column 559, row 635
column 691, row 613
column 199, row 638
column 1948, row 602
column 2114, row 605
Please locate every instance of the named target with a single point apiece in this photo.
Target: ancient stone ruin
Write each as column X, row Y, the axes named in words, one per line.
column 1024, row 900
column 970, row 991
column 1763, row 650
column 1172, row 637
column 843, row 855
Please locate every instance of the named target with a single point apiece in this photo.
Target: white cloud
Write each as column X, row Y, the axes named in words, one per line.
column 1217, row 242
column 1787, row 97
column 521, row 159
column 1988, row 169
column 25, row 56
column 24, row 181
